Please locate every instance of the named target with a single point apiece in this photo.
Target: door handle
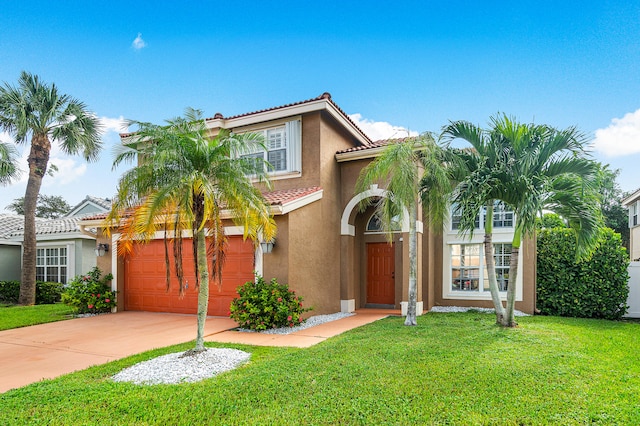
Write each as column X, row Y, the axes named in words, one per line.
column 393, row 274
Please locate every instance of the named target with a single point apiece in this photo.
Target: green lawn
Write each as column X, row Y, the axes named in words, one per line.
column 450, row 369
column 13, row 316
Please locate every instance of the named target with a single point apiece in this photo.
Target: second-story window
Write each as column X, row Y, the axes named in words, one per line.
column 502, row 216
column 283, row 147
column 276, row 141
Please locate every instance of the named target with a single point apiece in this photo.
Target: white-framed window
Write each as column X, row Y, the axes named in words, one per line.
column 502, row 217
column 633, row 215
column 468, row 268
column 52, row 264
column 283, row 147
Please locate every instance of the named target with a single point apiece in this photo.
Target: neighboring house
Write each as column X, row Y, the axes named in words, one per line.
column 326, row 249
column 63, row 249
column 632, row 202
column 10, row 250
column 90, row 205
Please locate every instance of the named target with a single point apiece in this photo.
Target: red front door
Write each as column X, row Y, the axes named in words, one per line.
column 380, row 274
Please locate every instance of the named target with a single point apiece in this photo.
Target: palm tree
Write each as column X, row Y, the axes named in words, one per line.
column 8, row 163
column 186, row 183
column 412, row 170
column 35, row 109
column 529, row 168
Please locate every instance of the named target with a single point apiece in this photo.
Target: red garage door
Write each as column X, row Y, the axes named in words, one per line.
column 145, row 279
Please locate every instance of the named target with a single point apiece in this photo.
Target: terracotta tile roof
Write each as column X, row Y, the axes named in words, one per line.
column 97, row 216
column 274, row 198
column 376, row 144
column 278, row 198
column 325, row 95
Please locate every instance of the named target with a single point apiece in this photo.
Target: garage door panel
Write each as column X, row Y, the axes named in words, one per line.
column 145, row 286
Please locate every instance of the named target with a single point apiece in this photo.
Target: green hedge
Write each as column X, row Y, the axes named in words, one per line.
column 593, row 288
column 46, row 292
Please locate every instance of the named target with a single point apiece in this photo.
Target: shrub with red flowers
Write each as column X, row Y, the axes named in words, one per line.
column 90, row 293
column 263, row 305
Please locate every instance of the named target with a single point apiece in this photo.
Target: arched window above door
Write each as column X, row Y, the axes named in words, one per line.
column 375, row 224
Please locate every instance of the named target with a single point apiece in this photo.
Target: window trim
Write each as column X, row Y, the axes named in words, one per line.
column 69, row 246
column 293, row 145
column 480, row 220
column 447, row 276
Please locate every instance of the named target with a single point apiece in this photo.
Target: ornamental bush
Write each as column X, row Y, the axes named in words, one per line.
column 90, row 293
column 46, row 292
column 592, row 288
column 263, row 305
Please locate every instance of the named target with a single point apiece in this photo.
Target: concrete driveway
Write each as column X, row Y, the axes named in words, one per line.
column 45, row 351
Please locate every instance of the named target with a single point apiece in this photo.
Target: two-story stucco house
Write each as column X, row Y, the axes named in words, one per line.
column 326, row 249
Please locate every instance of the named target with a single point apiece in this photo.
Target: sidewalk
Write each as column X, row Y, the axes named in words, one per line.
column 45, row 351
column 303, row 338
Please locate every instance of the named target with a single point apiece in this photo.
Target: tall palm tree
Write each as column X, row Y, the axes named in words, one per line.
column 8, row 163
column 412, row 172
column 531, row 168
column 186, row 183
column 36, row 110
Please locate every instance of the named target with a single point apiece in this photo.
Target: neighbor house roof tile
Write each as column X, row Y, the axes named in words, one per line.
column 51, row 226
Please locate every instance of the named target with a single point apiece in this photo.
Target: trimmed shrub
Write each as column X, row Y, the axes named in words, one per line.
column 262, row 305
column 46, row 292
column 90, row 293
column 593, row 288
column 9, row 291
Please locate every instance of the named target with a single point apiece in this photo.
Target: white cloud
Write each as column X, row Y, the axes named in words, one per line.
column 118, row 125
column 138, row 43
column 377, row 130
column 622, row 137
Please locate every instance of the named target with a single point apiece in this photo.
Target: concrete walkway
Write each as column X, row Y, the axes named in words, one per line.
column 45, row 351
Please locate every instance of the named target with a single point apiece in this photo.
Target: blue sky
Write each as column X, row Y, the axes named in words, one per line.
column 410, row 65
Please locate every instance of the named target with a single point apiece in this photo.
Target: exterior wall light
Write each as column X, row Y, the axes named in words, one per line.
column 267, row 246
column 101, row 249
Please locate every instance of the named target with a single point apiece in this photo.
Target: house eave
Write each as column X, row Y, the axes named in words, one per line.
column 288, row 111
column 631, row 198
column 363, row 154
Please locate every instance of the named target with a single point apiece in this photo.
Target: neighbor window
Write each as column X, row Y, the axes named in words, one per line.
column 282, row 147
column 633, row 214
column 468, row 266
column 52, row 264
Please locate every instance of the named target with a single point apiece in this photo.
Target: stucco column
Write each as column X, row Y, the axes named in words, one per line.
column 347, row 274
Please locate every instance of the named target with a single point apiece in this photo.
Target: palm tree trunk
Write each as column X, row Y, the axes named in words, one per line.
column 513, row 277
column 203, row 291
column 491, row 264
column 38, row 160
column 413, row 267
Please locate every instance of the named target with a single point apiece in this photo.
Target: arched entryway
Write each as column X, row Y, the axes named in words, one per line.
column 374, row 272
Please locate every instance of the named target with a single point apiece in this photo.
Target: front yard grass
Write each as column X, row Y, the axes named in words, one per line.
column 450, row 369
column 14, row 316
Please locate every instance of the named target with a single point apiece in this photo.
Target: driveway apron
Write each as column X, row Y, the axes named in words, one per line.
column 45, row 351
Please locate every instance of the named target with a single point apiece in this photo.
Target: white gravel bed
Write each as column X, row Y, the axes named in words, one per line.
column 176, row 368
column 443, row 309
column 310, row 322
